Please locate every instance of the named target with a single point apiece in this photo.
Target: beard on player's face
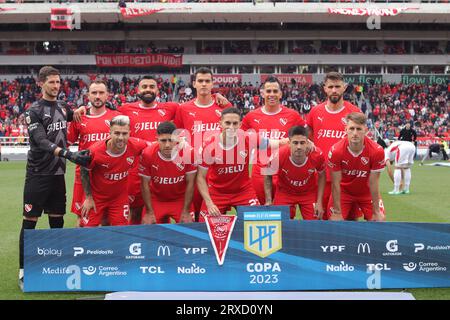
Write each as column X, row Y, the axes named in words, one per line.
column 98, row 103
column 147, row 96
column 335, row 98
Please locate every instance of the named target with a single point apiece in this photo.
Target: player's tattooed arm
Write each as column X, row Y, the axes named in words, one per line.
column 88, row 203
column 268, row 185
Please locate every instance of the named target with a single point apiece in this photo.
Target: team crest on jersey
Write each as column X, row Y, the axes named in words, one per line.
column 77, row 205
column 243, row 153
column 283, row 121
column 180, row 166
column 344, row 122
column 130, row 160
column 131, row 198
column 218, row 112
column 330, row 154
column 28, row 207
column 28, row 119
column 108, row 123
column 364, row 160
column 161, row 112
column 311, row 171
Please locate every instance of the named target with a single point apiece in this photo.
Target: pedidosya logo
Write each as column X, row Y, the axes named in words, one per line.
column 262, row 232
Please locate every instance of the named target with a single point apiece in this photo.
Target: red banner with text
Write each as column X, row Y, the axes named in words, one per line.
column 287, row 78
column 139, row 60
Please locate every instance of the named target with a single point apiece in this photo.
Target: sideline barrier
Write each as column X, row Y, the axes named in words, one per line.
column 309, row 255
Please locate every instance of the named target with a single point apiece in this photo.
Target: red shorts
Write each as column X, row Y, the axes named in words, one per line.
column 356, row 211
column 134, row 191
column 77, row 198
column 351, row 206
column 258, row 186
column 247, row 197
column 306, row 203
column 117, row 213
column 164, row 210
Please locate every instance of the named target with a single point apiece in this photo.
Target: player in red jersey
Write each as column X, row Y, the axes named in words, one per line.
column 200, row 117
column 273, row 120
column 94, row 126
column 111, row 163
column 356, row 163
column 326, row 121
column 167, row 181
column 297, row 177
column 223, row 177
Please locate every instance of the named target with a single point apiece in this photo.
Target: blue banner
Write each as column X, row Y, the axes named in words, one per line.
column 266, row 252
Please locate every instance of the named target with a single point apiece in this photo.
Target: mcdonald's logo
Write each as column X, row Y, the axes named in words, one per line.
column 163, row 251
column 363, row 248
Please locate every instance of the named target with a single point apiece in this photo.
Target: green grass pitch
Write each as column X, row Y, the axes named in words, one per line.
column 428, row 202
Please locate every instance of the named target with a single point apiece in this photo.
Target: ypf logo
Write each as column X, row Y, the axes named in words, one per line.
column 135, row 249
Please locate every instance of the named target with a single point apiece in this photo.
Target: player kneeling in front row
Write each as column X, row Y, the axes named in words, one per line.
column 297, row 182
column 167, row 178
column 223, row 177
column 356, row 163
column 106, row 180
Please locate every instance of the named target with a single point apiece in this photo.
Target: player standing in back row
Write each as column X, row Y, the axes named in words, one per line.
column 273, row 120
column 326, row 121
column 45, row 187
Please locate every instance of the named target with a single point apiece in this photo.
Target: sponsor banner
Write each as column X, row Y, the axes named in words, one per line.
column 363, row 78
column 139, row 60
column 128, row 13
column 425, row 142
column 425, row 79
column 287, row 78
column 382, row 12
column 219, row 79
column 311, row 255
column 61, row 19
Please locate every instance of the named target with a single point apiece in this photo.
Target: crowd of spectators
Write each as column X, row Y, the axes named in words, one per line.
column 389, row 106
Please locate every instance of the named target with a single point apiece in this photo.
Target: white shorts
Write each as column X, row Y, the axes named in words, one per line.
column 405, row 156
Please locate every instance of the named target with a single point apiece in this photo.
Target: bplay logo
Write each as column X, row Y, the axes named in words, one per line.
column 49, row 252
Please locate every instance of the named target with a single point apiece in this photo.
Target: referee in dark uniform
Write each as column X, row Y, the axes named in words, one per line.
column 45, row 188
column 409, row 134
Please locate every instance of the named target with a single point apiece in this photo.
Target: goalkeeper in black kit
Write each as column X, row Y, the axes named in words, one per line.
column 45, row 188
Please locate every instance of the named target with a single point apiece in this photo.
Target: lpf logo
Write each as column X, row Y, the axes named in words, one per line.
column 262, row 233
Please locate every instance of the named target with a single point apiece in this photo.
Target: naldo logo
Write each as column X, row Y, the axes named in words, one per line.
column 135, row 249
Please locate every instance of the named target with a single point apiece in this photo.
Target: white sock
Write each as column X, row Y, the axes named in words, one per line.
column 397, row 179
column 407, row 178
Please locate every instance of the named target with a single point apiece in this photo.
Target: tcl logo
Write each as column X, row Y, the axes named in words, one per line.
column 333, row 248
column 378, row 267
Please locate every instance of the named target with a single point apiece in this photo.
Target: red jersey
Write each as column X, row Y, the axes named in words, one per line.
column 271, row 125
column 201, row 122
column 227, row 168
column 90, row 130
column 167, row 176
column 109, row 172
column 328, row 127
column 356, row 168
column 144, row 121
column 299, row 178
